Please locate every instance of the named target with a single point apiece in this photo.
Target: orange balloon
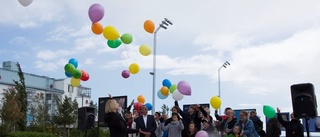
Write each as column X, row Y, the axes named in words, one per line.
column 97, row 28
column 165, row 91
column 141, row 99
column 149, row 26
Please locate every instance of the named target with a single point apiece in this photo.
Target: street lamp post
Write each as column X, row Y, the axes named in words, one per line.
column 164, row 25
column 224, row 65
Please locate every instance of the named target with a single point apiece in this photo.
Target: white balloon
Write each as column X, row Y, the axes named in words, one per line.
column 176, row 95
column 25, row 2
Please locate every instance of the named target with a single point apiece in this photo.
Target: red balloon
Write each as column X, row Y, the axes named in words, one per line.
column 137, row 105
column 85, row 76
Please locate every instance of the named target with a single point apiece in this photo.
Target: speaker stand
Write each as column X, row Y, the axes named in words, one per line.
column 307, row 126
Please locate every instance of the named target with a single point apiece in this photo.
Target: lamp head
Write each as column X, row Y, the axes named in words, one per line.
column 168, row 21
column 162, row 26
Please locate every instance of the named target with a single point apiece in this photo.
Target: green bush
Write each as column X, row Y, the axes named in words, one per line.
column 30, row 134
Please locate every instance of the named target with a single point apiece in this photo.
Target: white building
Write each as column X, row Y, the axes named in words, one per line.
column 50, row 87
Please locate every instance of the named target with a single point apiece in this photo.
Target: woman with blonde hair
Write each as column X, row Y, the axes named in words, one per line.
column 116, row 123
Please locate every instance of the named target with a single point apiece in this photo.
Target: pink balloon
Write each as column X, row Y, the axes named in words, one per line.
column 202, row 134
column 125, row 73
column 96, row 12
column 184, row 88
column 25, row 3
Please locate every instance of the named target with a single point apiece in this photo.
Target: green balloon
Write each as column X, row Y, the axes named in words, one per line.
column 126, row 38
column 77, row 74
column 269, row 111
column 114, row 43
column 173, row 87
column 69, row 68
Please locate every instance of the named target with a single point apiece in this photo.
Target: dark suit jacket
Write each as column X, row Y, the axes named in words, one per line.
column 151, row 125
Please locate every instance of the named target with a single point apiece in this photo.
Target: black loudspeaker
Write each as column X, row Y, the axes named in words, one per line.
column 304, row 101
column 86, row 118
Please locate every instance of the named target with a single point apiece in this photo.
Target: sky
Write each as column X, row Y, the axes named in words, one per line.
column 270, row 45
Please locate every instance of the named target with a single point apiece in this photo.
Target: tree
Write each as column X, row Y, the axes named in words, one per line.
column 39, row 110
column 21, row 88
column 165, row 109
column 66, row 113
column 10, row 111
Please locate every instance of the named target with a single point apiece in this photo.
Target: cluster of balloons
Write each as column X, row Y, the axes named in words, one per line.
column 177, row 91
column 25, row 3
column 144, row 49
column 141, row 100
column 269, row 111
column 215, row 102
column 96, row 13
column 75, row 74
column 133, row 69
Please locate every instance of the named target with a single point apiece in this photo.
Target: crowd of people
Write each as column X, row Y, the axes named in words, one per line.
column 137, row 123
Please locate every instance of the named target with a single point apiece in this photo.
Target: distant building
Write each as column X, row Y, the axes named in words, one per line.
column 50, row 87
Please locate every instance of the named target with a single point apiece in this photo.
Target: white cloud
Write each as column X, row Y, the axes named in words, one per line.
column 46, row 66
column 20, row 40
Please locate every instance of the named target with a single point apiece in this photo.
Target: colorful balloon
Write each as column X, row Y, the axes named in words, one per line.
column 166, row 83
column 134, row 68
column 141, row 99
column 97, row 28
column 125, row 73
column 160, row 95
column 111, row 33
column 215, row 102
column 137, row 105
column 77, row 74
column 75, row 82
column 202, row 133
column 149, row 26
column 68, row 74
column 25, row 3
column 126, row 38
column 173, row 87
column 177, row 96
column 96, row 12
column 164, row 91
column 184, row 88
column 149, row 106
column 269, row 111
column 84, row 76
column 145, row 50
column 114, row 43
column 74, row 62
column 69, row 68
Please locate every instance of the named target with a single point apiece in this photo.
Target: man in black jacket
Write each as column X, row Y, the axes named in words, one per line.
column 146, row 123
column 294, row 128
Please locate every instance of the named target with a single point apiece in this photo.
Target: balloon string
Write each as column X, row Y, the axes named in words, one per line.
column 126, row 57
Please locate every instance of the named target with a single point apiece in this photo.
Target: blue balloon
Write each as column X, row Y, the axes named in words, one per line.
column 149, row 106
column 161, row 96
column 68, row 74
column 74, row 62
column 166, row 83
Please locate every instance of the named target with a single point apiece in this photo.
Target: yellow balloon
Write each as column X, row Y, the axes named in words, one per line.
column 215, row 102
column 75, row 82
column 141, row 99
column 164, row 91
column 145, row 50
column 111, row 33
column 134, row 68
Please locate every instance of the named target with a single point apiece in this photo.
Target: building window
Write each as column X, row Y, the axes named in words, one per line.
column 48, row 96
column 70, row 88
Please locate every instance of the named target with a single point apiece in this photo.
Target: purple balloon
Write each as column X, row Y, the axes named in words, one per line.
column 202, row 134
column 125, row 73
column 184, row 88
column 96, row 12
